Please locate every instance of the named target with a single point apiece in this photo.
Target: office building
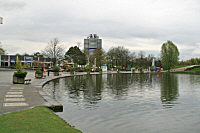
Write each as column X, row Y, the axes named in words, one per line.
column 92, row 42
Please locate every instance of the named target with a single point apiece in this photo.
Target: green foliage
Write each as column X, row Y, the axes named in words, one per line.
column 87, row 68
column 152, row 69
column 79, row 69
column 20, row 74
column 75, row 55
column 169, row 55
column 118, row 68
column 20, row 67
column 72, row 69
column 38, row 72
column 34, row 120
column 98, row 57
column 56, row 69
column 141, row 69
column 98, row 70
column 2, row 51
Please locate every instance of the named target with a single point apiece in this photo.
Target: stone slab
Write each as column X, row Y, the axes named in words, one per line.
column 15, row 104
column 14, row 96
column 16, row 87
column 15, row 93
column 15, row 90
column 14, row 99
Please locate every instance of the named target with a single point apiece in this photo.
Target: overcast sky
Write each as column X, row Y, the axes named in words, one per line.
column 139, row 25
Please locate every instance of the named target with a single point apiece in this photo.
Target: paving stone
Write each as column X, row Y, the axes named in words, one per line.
column 15, row 104
column 16, row 87
column 14, row 92
column 14, row 96
column 14, row 99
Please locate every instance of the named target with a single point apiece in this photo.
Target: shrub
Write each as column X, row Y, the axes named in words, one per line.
column 98, row 70
column 56, row 69
column 38, row 72
column 152, row 69
column 87, row 68
column 72, row 69
column 79, row 69
column 20, row 74
column 141, row 69
column 118, row 68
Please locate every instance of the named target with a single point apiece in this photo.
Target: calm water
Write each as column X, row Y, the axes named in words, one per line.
column 130, row 103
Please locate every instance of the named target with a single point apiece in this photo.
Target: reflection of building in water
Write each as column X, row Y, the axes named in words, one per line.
column 169, row 89
column 92, row 42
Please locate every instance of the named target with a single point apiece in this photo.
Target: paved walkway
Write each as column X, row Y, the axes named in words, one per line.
column 14, row 97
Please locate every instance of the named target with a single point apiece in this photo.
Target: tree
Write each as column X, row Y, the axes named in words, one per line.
column 54, row 50
column 2, row 51
column 98, row 57
column 169, row 55
column 37, row 54
column 75, row 55
column 118, row 56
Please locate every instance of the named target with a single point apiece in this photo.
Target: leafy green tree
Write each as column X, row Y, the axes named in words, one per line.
column 75, row 55
column 2, row 51
column 169, row 55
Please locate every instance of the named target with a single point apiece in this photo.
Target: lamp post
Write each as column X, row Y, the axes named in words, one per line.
column 1, row 20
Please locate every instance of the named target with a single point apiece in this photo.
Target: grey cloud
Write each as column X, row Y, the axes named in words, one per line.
column 10, row 5
column 124, row 20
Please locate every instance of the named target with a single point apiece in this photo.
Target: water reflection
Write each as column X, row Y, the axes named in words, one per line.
column 169, row 89
column 126, row 103
column 91, row 88
column 87, row 88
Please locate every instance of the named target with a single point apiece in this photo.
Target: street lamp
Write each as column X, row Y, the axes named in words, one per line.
column 1, row 20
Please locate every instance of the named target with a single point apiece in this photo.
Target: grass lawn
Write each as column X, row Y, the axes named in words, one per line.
column 180, row 66
column 191, row 71
column 36, row 120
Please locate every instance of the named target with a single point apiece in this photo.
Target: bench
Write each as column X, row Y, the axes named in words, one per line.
column 27, row 81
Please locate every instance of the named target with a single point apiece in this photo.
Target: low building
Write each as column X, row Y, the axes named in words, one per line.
column 31, row 61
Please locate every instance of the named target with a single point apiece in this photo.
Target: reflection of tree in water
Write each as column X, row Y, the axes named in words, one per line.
column 118, row 84
column 169, row 89
column 87, row 88
column 142, row 80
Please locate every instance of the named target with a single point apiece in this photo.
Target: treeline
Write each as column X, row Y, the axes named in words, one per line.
column 192, row 61
column 116, row 57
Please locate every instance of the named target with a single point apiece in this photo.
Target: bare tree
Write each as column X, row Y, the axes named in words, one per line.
column 54, row 50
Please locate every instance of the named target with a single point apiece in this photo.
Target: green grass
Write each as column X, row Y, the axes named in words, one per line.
column 180, row 66
column 36, row 120
column 191, row 71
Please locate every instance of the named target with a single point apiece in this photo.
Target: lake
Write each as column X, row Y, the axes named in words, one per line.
column 129, row 103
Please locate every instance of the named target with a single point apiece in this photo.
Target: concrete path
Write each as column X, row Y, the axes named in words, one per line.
column 14, row 97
